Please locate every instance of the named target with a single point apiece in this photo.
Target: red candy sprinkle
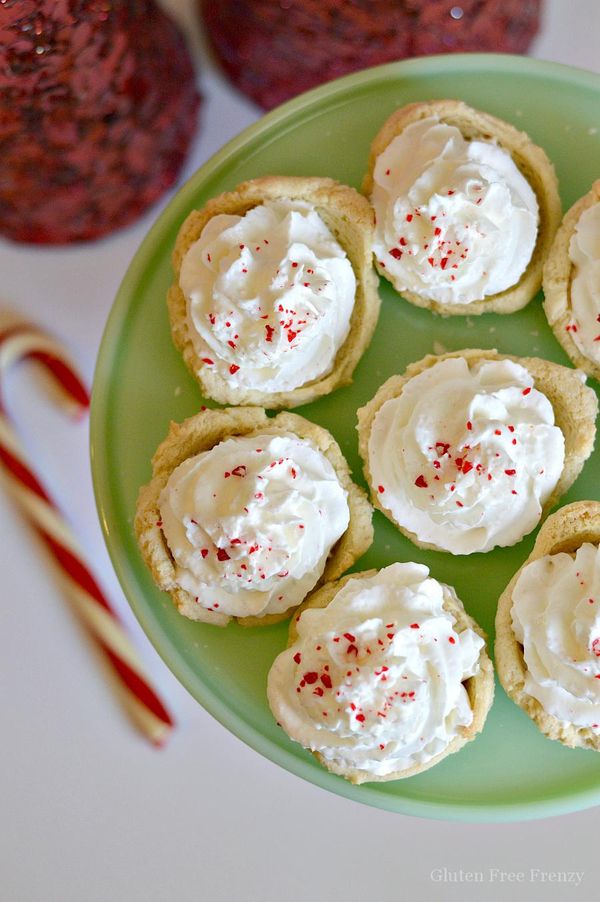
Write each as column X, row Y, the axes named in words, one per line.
column 421, row 482
column 233, row 369
column 222, row 555
column 311, row 677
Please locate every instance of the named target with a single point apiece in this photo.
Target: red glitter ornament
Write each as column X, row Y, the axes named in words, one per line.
column 274, row 50
column 98, row 107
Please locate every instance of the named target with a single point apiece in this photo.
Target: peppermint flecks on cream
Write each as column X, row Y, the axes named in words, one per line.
column 584, row 253
column 556, row 618
column 465, row 457
column 456, row 219
column 374, row 681
column 251, row 522
column 269, row 296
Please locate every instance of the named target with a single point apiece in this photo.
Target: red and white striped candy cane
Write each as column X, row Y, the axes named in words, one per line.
column 104, row 625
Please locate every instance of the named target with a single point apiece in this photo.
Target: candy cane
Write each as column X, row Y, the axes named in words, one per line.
column 141, row 701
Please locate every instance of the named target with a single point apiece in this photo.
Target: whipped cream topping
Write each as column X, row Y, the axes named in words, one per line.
column 584, row 253
column 251, row 522
column 465, row 458
column 556, row 618
column 375, row 679
column 269, row 296
column 456, row 220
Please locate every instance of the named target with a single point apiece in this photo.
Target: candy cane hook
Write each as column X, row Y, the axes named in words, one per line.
column 142, row 702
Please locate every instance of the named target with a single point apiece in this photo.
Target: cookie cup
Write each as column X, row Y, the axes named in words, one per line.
column 564, row 531
column 558, row 275
column 480, row 688
column 349, row 217
column 575, row 407
column 201, row 433
column 531, row 160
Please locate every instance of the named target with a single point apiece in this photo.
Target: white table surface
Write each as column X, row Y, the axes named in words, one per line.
column 88, row 810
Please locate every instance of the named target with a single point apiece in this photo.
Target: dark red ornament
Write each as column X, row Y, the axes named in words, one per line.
column 275, row 49
column 98, row 104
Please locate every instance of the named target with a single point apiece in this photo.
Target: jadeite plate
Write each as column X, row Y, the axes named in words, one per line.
column 510, row 771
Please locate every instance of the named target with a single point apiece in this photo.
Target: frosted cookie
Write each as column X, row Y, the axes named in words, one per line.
column 385, row 674
column 468, row 450
column 548, row 628
column 275, row 297
column 572, row 283
column 245, row 514
column 466, row 208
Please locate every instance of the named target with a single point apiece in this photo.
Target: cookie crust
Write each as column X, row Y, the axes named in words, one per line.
column 557, row 278
column 575, row 408
column 532, row 162
column 564, row 531
column 349, row 217
column 201, row 433
column 480, row 688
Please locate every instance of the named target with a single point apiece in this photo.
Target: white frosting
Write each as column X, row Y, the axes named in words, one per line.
column 456, row 220
column 269, row 296
column 556, row 618
column 465, row 458
column 584, row 252
column 375, row 679
column 251, row 522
